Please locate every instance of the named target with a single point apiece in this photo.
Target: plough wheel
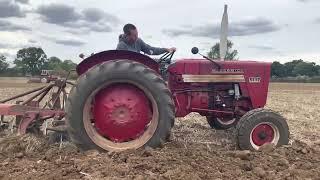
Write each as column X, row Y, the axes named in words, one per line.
column 119, row 105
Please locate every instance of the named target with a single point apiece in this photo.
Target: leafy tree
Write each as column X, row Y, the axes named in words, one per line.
column 289, row 66
column 3, row 64
column 61, row 68
column 318, row 69
column 231, row 54
column 278, row 69
column 53, row 63
column 68, row 65
column 31, row 60
column 305, row 68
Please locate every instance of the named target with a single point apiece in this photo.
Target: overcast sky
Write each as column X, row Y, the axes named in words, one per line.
column 264, row 30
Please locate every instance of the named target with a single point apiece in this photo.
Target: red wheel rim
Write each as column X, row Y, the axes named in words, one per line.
column 115, row 123
column 121, row 112
column 264, row 133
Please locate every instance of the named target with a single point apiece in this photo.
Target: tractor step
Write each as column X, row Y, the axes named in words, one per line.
column 58, row 128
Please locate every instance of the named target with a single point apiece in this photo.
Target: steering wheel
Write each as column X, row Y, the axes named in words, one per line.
column 164, row 62
column 166, row 57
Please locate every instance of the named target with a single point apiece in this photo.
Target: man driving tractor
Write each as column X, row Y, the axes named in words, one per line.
column 131, row 42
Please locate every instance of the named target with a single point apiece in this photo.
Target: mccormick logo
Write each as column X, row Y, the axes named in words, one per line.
column 254, row 79
column 229, row 70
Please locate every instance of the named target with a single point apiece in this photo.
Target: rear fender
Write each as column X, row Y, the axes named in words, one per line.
column 111, row 55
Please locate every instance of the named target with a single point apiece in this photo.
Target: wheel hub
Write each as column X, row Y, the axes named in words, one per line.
column 263, row 133
column 121, row 112
column 120, row 115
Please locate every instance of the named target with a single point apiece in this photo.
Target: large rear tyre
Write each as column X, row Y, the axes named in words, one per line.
column 221, row 123
column 262, row 126
column 119, row 105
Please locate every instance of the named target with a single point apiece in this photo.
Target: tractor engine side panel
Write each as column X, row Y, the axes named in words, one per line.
column 257, row 77
column 185, row 100
column 194, row 89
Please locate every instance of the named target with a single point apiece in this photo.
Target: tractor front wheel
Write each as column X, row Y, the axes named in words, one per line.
column 119, row 105
column 44, row 80
column 261, row 126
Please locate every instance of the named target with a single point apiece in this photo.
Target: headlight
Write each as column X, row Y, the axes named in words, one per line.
column 231, row 92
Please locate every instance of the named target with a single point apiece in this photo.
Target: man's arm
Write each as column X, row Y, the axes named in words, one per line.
column 122, row 46
column 146, row 48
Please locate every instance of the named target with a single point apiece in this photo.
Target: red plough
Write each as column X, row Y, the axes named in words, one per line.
column 45, row 103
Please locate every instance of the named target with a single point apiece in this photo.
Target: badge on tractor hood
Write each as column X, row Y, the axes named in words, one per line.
column 228, row 70
column 254, row 79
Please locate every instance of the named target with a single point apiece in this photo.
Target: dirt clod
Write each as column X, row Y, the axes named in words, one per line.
column 19, row 155
column 243, row 155
column 304, row 151
column 267, row 148
column 259, row 172
column 147, row 151
column 92, row 153
column 283, row 162
column 247, row 166
column 139, row 177
column 4, row 163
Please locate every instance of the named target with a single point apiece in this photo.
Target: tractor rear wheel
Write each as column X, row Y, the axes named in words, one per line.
column 221, row 123
column 119, row 105
column 262, row 126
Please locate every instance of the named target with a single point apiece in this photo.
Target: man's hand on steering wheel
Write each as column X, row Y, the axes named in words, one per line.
column 166, row 57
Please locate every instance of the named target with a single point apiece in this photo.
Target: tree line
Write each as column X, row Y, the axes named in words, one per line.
column 294, row 68
column 31, row 60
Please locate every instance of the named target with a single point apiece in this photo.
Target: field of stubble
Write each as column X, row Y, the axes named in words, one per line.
column 195, row 151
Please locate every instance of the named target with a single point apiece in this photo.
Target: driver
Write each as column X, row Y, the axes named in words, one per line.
column 129, row 41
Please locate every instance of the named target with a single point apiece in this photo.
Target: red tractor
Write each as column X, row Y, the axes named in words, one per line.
column 121, row 100
column 126, row 100
column 46, row 76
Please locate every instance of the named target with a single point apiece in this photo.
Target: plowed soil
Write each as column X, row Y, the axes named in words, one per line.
column 194, row 152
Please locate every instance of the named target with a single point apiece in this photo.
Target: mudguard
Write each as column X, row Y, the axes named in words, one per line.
column 111, row 55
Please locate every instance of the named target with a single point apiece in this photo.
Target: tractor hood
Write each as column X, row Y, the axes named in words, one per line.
column 202, row 66
column 253, row 76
